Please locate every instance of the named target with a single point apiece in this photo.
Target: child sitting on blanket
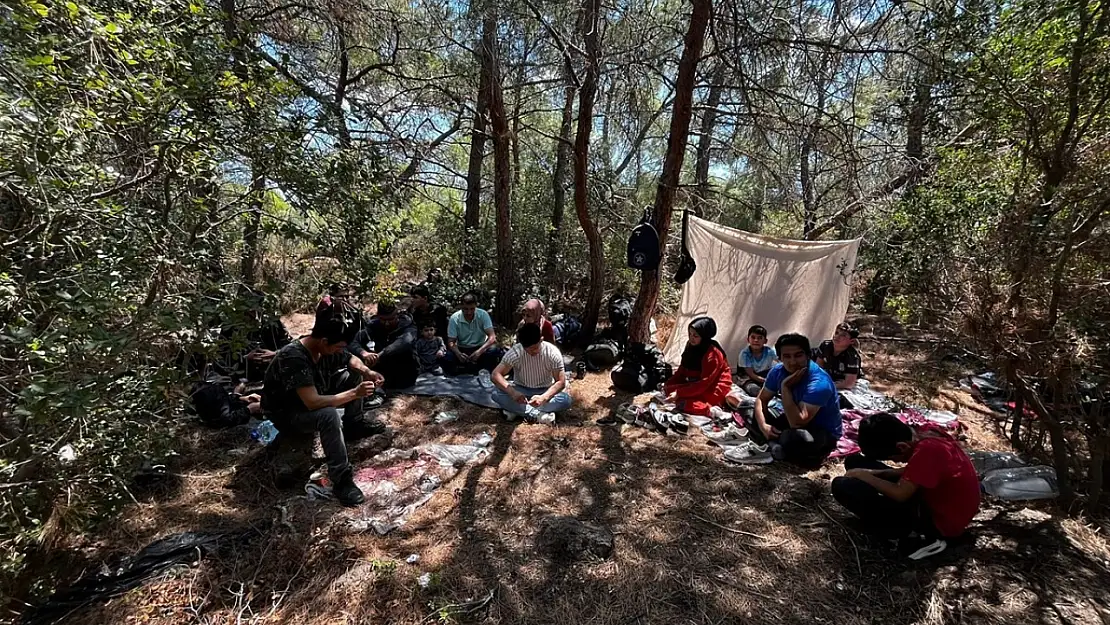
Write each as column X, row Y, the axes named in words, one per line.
column 756, row 361
column 932, row 499
column 430, row 350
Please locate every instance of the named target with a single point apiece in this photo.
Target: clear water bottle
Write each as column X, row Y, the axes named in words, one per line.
column 1022, row 483
column 483, row 378
column 265, row 433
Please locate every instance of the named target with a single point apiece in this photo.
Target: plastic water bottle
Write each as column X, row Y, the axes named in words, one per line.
column 265, row 433
column 483, row 378
column 1022, row 483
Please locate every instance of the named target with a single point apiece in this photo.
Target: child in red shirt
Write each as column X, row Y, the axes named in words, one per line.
column 932, row 499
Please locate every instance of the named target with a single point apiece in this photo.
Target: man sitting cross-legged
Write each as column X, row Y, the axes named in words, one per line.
column 810, row 425
column 935, row 496
column 308, row 380
column 539, row 386
column 471, row 339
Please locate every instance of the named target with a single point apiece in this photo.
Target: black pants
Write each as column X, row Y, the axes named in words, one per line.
column 399, row 370
column 881, row 514
column 328, row 423
column 806, row 447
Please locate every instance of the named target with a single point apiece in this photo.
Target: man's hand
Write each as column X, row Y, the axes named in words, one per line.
column 252, row 398
column 373, row 376
column 477, row 354
column 261, row 355
column 794, row 378
column 370, row 359
column 364, row 388
column 518, row 397
column 463, row 358
column 441, row 353
column 769, row 431
column 858, row 473
column 537, row 401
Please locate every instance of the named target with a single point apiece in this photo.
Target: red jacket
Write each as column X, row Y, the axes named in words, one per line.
column 713, row 383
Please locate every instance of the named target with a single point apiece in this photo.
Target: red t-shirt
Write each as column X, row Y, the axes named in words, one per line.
column 547, row 331
column 948, row 483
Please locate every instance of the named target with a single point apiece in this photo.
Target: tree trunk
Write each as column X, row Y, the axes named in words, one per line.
column 672, row 164
column 518, row 88
column 705, row 141
column 559, row 181
column 249, row 263
column 809, row 185
column 477, row 145
column 586, row 96
column 502, row 174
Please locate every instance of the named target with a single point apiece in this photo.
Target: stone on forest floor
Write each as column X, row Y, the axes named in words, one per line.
column 567, row 538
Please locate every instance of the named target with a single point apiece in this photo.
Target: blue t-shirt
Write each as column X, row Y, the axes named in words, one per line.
column 761, row 364
column 817, row 390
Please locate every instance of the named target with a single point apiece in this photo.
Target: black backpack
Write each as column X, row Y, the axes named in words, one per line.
column 215, row 407
column 643, row 370
column 643, row 245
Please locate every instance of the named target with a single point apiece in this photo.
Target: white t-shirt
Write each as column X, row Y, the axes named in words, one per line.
column 534, row 371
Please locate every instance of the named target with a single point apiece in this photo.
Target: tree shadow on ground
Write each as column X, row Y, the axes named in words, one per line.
column 697, row 540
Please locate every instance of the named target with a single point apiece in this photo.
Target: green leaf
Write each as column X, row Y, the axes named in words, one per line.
column 113, row 28
column 39, row 8
column 42, row 59
column 74, row 10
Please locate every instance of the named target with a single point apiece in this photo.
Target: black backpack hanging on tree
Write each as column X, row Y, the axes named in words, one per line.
column 643, row 245
column 687, row 267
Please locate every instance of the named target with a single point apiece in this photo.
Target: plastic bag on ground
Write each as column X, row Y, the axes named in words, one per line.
column 1022, row 483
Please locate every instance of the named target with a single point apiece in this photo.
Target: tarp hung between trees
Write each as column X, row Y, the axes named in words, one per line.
column 744, row 279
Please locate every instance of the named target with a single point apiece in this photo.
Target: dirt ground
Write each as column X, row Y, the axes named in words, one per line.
column 697, row 540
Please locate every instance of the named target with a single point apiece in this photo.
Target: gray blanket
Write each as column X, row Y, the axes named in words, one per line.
column 469, row 388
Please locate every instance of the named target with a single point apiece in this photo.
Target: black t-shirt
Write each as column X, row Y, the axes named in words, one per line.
column 840, row 365
column 291, row 369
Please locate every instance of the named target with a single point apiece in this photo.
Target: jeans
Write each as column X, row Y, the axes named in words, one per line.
column 558, row 403
column 488, row 360
column 881, row 514
column 328, row 423
column 806, row 447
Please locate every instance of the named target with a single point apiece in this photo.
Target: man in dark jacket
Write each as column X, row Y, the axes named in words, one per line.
column 385, row 344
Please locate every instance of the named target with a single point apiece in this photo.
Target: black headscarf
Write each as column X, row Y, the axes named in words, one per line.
column 692, row 356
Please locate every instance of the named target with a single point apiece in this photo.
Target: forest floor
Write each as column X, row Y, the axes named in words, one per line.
column 697, row 540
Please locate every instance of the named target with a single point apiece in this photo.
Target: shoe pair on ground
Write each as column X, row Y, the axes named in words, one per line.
column 531, row 415
column 651, row 417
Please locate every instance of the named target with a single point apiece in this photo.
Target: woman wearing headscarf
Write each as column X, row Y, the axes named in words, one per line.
column 703, row 378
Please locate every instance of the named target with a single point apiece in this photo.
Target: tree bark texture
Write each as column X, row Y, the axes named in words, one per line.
column 705, row 141
column 672, row 164
column 502, row 174
column 559, row 181
column 586, row 97
column 477, row 145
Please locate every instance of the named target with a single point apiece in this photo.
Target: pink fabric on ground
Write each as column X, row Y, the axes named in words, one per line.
column 917, row 419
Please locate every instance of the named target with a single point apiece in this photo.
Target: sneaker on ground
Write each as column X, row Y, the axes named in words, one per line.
column 920, row 547
column 679, row 424
column 729, row 435
column 544, row 418
column 510, row 416
column 720, row 414
column 748, row 454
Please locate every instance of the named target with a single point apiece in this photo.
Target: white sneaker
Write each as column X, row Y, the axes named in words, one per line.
column 748, row 454
column 546, row 418
column 720, row 414
column 728, row 436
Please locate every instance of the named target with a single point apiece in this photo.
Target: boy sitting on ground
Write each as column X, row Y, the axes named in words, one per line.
column 934, row 497
column 839, row 357
column 538, row 389
column 807, row 430
column 430, row 349
column 756, row 361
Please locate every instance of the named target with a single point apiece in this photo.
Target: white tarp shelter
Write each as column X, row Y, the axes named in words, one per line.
column 745, row 279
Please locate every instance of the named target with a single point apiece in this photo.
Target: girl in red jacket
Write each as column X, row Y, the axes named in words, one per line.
column 703, row 378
